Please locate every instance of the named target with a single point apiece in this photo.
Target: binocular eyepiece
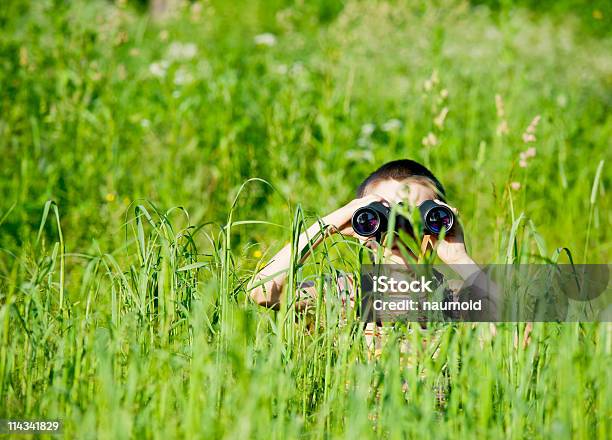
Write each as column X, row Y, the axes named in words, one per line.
column 373, row 219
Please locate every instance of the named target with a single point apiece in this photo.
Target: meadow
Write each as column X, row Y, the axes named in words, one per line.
column 149, row 167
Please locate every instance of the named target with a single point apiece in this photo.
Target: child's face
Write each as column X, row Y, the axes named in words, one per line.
column 412, row 192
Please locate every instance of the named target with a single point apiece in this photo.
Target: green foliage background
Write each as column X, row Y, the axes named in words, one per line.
column 131, row 318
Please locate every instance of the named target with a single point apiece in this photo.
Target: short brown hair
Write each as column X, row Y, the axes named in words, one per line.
column 400, row 170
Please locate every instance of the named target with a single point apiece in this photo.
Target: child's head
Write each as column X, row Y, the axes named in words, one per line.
column 402, row 180
column 398, row 181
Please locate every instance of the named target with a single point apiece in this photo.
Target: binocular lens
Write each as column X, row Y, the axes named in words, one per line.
column 372, row 220
column 438, row 218
column 366, row 222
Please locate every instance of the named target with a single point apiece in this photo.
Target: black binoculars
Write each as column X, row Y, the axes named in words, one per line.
column 373, row 219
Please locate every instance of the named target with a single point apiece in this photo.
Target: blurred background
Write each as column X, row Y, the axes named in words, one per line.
column 180, row 102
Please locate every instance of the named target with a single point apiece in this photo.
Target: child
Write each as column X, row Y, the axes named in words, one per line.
column 399, row 181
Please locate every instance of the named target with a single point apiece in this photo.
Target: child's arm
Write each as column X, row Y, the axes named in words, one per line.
column 453, row 253
column 267, row 293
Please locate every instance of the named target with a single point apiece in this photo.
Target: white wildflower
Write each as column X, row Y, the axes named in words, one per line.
column 432, row 81
column 430, row 140
column 282, row 69
column 266, row 39
column 159, row 68
column 182, row 51
column 502, row 128
column 391, row 125
column 529, row 135
column 367, row 129
column 363, row 142
column 182, row 77
column 439, row 120
column 499, row 106
column 524, row 155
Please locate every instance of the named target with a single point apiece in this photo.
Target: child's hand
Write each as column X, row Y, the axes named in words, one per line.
column 340, row 220
column 451, row 249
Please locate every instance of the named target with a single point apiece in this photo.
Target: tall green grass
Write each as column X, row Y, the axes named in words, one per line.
column 129, row 227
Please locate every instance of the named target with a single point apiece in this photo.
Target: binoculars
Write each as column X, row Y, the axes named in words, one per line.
column 373, row 219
